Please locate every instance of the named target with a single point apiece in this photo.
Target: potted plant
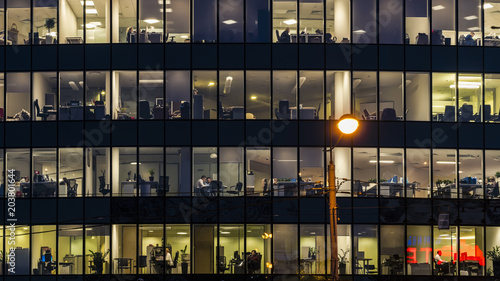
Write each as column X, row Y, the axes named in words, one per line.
column 494, row 256
column 151, row 174
column 49, row 24
column 98, row 261
column 312, row 253
column 184, row 260
column 343, row 261
column 497, row 175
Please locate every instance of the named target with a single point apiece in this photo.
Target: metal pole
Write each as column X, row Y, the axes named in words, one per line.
column 333, row 218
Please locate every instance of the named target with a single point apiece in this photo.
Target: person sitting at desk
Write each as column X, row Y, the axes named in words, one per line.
column 285, row 35
column 253, row 261
column 469, row 39
column 200, row 184
column 438, row 259
column 318, row 32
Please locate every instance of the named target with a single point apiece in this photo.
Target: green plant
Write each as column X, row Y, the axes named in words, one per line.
column 184, row 253
column 489, row 271
column 102, row 171
column 343, row 256
column 494, row 254
column 50, row 23
column 151, row 172
column 497, row 174
column 372, row 180
column 98, row 260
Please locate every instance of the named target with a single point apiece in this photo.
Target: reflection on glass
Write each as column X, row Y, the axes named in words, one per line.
column 364, row 87
column 444, row 173
column 71, row 95
column 178, row 171
column 443, row 22
column 124, row 97
column 258, row 21
column 417, row 96
column 205, row 95
column 392, row 249
column 443, row 97
column 205, row 21
column 469, row 97
column 419, row 254
column 176, row 22
column 391, row 94
column 470, row 174
column 472, row 254
column 418, row 173
column 70, row 183
column 177, row 95
column 231, row 21
column 45, row 22
column 390, row 21
column 285, row 249
column 44, row 96
column 364, row 28
column 445, row 249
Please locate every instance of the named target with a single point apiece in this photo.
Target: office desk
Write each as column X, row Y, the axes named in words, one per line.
column 66, row 267
column 122, row 263
column 40, row 189
column 465, row 190
column 290, row 188
column 306, row 113
column 365, row 262
column 307, row 38
column 307, row 265
column 471, row 266
column 395, row 188
column 127, row 188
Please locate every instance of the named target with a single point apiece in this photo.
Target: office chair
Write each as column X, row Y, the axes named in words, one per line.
column 316, row 117
column 72, row 187
column 163, row 186
column 278, row 37
column 123, row 264
column 487, row 113
column 237, row 189
column 221, row 264
column 449, row 114
column 144, row 110
column 143, row 263
column 466, row 113
column 169, row 267
column 155, row 37
column 254, row 267
column 102, row 186
column 39, row 113
column 389, row 114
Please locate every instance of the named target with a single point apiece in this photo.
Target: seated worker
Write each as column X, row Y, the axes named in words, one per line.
column 285, row 35
column 253, row 261
column 441, row 264
column 469, row 39
column 199, row 185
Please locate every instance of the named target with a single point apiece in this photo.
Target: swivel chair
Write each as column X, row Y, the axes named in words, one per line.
column 39, row 113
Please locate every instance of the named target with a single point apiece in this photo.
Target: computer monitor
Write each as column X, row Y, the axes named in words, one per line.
column 237, row 255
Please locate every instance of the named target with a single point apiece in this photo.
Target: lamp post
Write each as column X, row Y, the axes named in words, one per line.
column 347, row 124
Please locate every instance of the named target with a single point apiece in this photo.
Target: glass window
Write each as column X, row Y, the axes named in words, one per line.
column 205, row 21
column 285, row 252
column 365, row 249
column 311, row 93
column 71, row 14
column 97, row 171
column 491, row 23
column 311, row 173
column 97, row 248
column 491, row 98
column 178, row 171
column 231, row 21
column 44, row 96
column 2, row 20
column 444, row 171
column 285, row 171
column 205, row 171
column 43, row 250
column 151, row 170
column 418, row 183
column 231, row 166
column 469, row 97
column 258, row 240
column 472, row 257
column 258, row 95
column 231, row 244
column 284, row 21
column 5, row 180
column 97, row 23
column 417, row 22
column 344, row 249
column 258, row 21
column 417, row 96
column 98, row 98
column 19, row 161
column 443, row 22
column 71, row 95
column 258, row 175
column 419, row 250
column 2, row 91
column 18, row 96
column 18, row 22
column 152, row 250
column 443, row 97
column 312, row 249
column 205, row 95
column 177, row 239
column 338, row 21
column 390, row 20
column 231, row 95
column 204, row 238
column 338, row 94
column 364, row 87
column 492, row 240
column 124, row 256
column 365, row 171
column 470, row 174
column 44, row 172
column 311, row 21
column 125, row 170
column 22, row 264
column 391, row 166
column 44, row 22
column 469, row 23
column 70, row 254
column 124, row 21
column 364, row 29
column 391, row 94
column 151, row 21
column 70, row 172
column 178, row 94
column 177, row 22
column 284, row 93
column 151, row 103
column 124, row 96
column 392, row 249
column 342, row 160
column 492, row 173
column 445, row 247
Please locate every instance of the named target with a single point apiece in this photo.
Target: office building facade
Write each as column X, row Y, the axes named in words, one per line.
column 170, row 139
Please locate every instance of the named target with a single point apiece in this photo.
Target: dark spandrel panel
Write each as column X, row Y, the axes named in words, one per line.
column 71, row 56
column 344, row 211
column 97, row 210
column 258, row 133
column 121, row 51
column 492, row 135
column 18, row 58
column 418, row 211
column 231, row 210
column 71, row 134
column 44, row 134
column 204, row 132
column 151, row 56
column 98, row 133
column 231, row 132
column 95, row 277
column 70, row 278
column 312, row 133
column 418, row 58
column 231, row 56
column 491, row 58
column 204, row 56
column 391, row 57
column 178, row 210
column 418, row 134
column 285, row 277
column 200, row 277
column 444, row 134
column 2, row 58
column 43, row 278
column 492, row 212
column 204, row 209
column 258, row 210
column 21, row 129
column 338, row 56
column 470, row 59
column 392, row 210
column 449, row 207
column 17, row 278
column 178, row 133
column 367, row 134
column 45, row 57
column 444, row 58
column 285, row 56
column 151, row 210
column 70, row 210
column 392, row 134
column 311, row 56
column 284, row 132
column 97, row 56
column 285, row 210
column 313, row 210
column 470, row 135
column 365, row 210
column 124, row 210
column 260, row 277
column 44, row 211
column 177, row 56
column 151, row 133
column 258, row 56
column 124, row 133
column 471, row 212
column 364, row 56
column 151, row 277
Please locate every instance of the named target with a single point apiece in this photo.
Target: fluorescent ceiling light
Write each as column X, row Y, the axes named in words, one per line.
column 182, row 233
column 184, row 36
column 446, row 162
column 382, row 161
column 227, row 85
column 290, row 22
column 151, row 21
column 359, row 31
column 213, row 156
column 91, row 11
column 473, row 17
column 466, row 85
column 88, row 3
column 225, row 232
column 253, row 97
column 228, row 22
column 166, row 2
column 150, row 81
column 211, row 83
column 168, row 10
column 291, row 160
column 89, row 25
column 96, row 23
column 474, row 28
column 438, row 7
column 135, row 163
column 73, row 85
column 487, row 6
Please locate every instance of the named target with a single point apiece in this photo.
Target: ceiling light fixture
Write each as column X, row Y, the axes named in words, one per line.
column 151, row 81
column 382, row 161
column 438, row 7
column 91, row 11
column 253, row 97
column 473, row 17
column 181, row 233
column 229, row 22
column 151, row 21
column 88, row 3
column 290, row 22
column 213, row 156
column 446, row 162
column 227, row 85
column 359, row 31
column 487, row 6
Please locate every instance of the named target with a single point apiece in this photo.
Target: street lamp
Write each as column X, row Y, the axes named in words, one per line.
column 347, row 124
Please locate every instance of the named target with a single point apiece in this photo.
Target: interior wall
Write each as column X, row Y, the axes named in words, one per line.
column 68, row 20
column 342, row 23
column 417, row 98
